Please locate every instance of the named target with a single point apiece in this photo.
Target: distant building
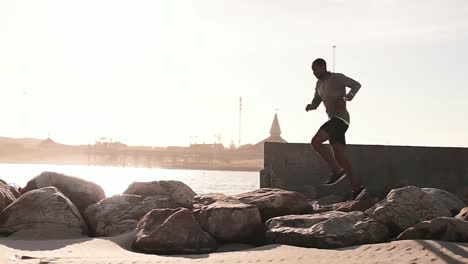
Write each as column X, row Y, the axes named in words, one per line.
column 176, row 149
column 275, row 136
column 206, row 147
column 48, row 143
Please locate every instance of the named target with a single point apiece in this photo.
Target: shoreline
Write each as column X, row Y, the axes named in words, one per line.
column 199, row 167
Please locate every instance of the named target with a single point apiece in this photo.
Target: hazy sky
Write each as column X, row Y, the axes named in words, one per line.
column 171, row 72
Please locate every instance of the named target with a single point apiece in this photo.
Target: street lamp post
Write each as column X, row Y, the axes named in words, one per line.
column 240, row 119
column 334, row 47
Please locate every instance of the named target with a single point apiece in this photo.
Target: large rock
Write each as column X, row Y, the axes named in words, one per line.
column 121, row 213
column 14, row 190
column 330, row 199
column 441, row 228
column 6, row 195
column 350, row 206
column 407, row 206
column 276, row 202
column 359, row 205
column 201, row 200
column 463, row 215
column 172, row 231
column 179, row 191
column 325, row 230
column 81, row 192
column 450, row 200
column 42, row 214
column 230, row 220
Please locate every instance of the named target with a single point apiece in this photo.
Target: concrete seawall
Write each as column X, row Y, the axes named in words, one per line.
column 297, row 167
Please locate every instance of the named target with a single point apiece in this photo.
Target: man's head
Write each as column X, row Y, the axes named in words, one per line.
column 319, row 67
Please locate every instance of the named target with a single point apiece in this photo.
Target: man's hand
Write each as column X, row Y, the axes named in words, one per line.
column 348, row 97
column 309, row 107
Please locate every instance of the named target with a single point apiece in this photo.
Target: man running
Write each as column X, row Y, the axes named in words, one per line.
column 331, row 90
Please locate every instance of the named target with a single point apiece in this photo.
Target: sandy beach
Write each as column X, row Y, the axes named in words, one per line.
column 115, row 250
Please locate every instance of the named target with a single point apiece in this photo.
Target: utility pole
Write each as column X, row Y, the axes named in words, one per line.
column 240, row 119
column 89, row 153
column 334, row 47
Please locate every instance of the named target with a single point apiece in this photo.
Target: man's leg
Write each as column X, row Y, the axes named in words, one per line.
column 325, row 152
column 339, row 151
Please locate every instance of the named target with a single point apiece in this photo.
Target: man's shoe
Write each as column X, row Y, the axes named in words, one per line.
column 335, row 178
column 357, row 195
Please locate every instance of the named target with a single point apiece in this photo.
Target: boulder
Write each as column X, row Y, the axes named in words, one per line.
column 441, row 228
column 172, row 231
column 349, row 206
column 450, row 200
column 276, row 202
column 179, row 191
column 405, row 207
column 6, row 195
column 359, row 205
column 201, row 200
column 325, row 230
column 81, row 192
column 42, row 214
column 14, row 190
column 230, row 221
column 121, row 213
column 330, row 199
column 463, row 215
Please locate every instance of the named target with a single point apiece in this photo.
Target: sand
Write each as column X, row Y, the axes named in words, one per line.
column 114, row 250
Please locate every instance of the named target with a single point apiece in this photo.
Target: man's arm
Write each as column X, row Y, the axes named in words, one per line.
column 354, row 85
column 315, row 102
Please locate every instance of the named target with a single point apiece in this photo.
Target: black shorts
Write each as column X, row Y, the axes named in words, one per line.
column 336, row 129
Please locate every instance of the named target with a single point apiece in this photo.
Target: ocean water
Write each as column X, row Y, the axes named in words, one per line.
column 114, row 180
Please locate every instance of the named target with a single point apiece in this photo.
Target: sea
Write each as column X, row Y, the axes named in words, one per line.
column 115, row 180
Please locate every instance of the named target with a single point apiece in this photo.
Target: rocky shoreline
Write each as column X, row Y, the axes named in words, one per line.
column 168, row 217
